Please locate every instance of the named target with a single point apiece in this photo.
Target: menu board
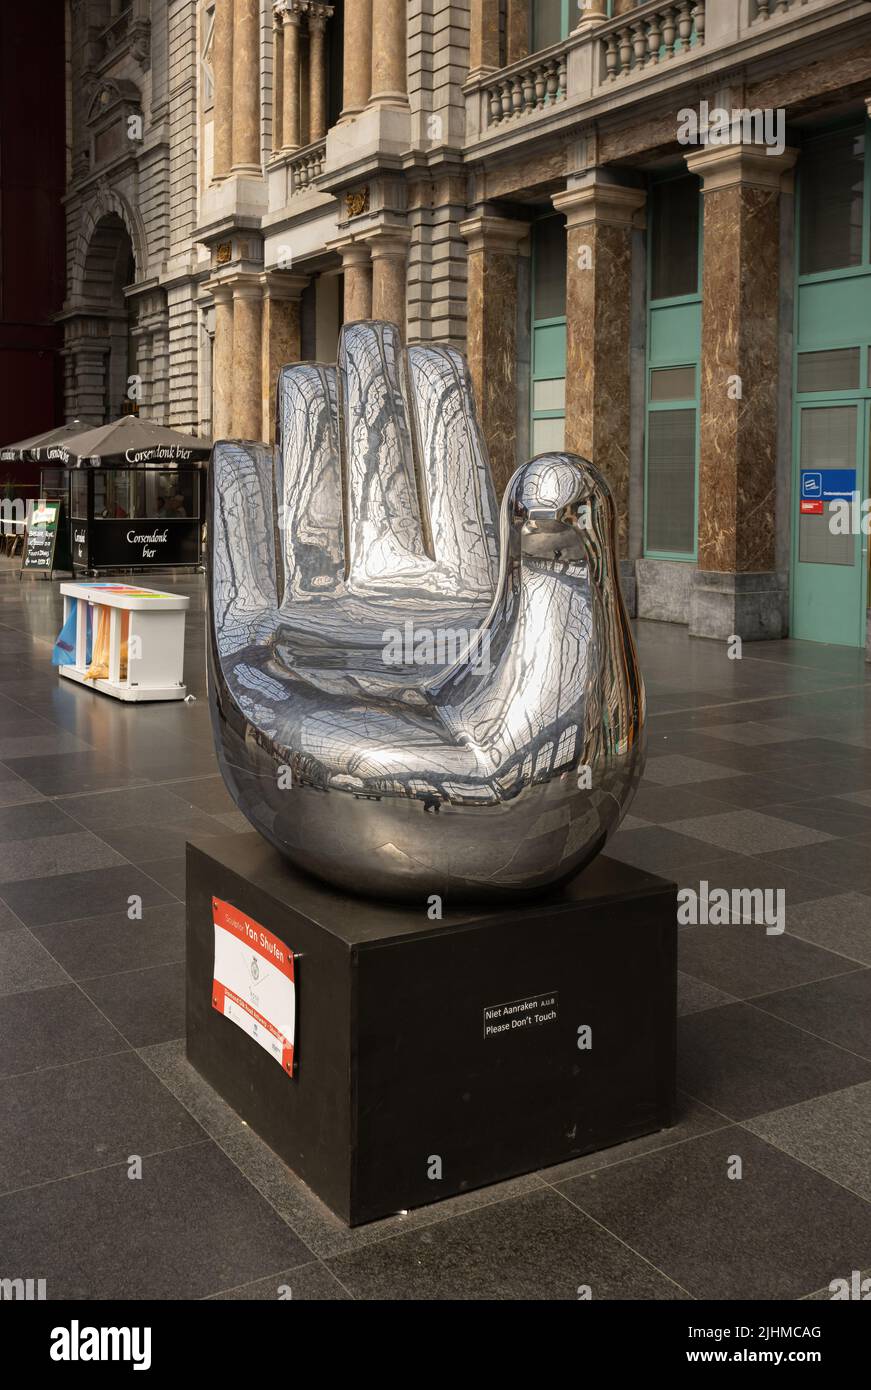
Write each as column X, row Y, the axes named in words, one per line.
column 44, row 525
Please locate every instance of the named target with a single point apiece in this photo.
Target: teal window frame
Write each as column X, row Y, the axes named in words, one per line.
column 849, row 271
column 678, row 360
column 558, row 321
column 860, row 395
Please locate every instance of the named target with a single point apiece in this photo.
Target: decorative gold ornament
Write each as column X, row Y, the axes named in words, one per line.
column 224, row 252
column 357, row 202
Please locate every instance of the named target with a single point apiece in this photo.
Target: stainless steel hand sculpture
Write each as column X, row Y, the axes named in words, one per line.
column 404, row 703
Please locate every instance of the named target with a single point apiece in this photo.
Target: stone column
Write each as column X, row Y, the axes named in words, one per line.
column 280, row 336
column 484, row 54
column 222, row 363
column 389, row 249
column 222, row 70
column 599, row 217
column 277, row 80
column 246, row 87
column 247, row 358
column 389, row 69
column 357, row 57
column 492, row 333
column 317, row 58
column 357, row 270
column 736, row 589
column 290, row 84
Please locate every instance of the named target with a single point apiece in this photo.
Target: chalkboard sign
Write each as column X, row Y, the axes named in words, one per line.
column 46, row 545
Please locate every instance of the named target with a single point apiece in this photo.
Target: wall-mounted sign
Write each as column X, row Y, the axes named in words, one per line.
column 253, row 983
column 827, row 484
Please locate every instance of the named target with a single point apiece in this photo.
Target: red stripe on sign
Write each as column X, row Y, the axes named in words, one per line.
column 228, row 917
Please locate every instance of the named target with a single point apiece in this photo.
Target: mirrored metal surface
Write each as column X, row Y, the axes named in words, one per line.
column 407, row 700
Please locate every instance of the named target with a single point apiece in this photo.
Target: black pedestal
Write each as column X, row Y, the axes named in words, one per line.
column 432, row 1057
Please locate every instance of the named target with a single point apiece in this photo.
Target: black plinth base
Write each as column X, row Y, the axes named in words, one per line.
column 432, row 1057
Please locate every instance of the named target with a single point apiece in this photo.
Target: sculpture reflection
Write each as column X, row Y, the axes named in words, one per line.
column 405, row 701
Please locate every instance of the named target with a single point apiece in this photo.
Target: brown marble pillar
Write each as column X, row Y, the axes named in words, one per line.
column 280, row 329
column 222, row 363
column 389, row 70
column 356, row 57
column 222, row 71
column 277, row 79
column 517, row 30
column 317, row 60
column 739, row 386
column 389, row 250
column 494, row 244
column 484, row 47
column 246, row 87
column 290, row 86
column 357, row 270
column 599, row 217
column 247, row 358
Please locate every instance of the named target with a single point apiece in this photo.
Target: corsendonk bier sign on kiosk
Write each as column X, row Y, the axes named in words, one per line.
column 253, row 981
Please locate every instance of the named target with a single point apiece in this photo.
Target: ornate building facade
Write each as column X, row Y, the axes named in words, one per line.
column 648, row 225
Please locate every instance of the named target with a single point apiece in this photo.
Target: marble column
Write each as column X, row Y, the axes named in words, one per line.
column 517, row 30
column 246, row 87
column 290, row 84
column 494, row 245
column 247, row 358
column 222, row 363
column 389, row 68
column 357, row 271
column 484, row 48
column 317, row 58
column 599, row 217
column 357, row 57
column 222, row 71
column 736, row 589
column 389, row 250
column 277, row 80
column 280, row 336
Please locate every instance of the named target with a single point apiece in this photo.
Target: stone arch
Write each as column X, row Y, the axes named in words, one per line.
column 108, row 204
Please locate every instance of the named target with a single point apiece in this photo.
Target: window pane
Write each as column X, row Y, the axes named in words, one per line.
column 671, row 481
column 829, row 371
column 549, row 285
column 548, row 435
column 674, row 238
column 549, row 395
column 673, row 384
column 547, row 23
column 832, row 175
column 79, row 494
column 111, row 494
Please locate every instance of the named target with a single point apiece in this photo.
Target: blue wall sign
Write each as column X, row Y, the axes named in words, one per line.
column 828, row 484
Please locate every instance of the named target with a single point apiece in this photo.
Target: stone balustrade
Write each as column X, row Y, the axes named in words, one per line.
column 642, row 45
column 306, row 166
column 769, row 9
column 651, row 35
column 527, row 87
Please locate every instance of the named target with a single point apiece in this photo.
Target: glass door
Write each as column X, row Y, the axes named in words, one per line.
column 829, row 590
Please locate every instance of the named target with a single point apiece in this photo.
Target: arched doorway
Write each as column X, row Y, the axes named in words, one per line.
column 101, row 343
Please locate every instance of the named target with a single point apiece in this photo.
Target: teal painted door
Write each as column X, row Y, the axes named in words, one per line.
column 829, row 589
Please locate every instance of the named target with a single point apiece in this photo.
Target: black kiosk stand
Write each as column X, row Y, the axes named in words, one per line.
column 429, row 1057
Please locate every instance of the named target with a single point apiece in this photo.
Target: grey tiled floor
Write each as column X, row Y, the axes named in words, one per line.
column 759, row 775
